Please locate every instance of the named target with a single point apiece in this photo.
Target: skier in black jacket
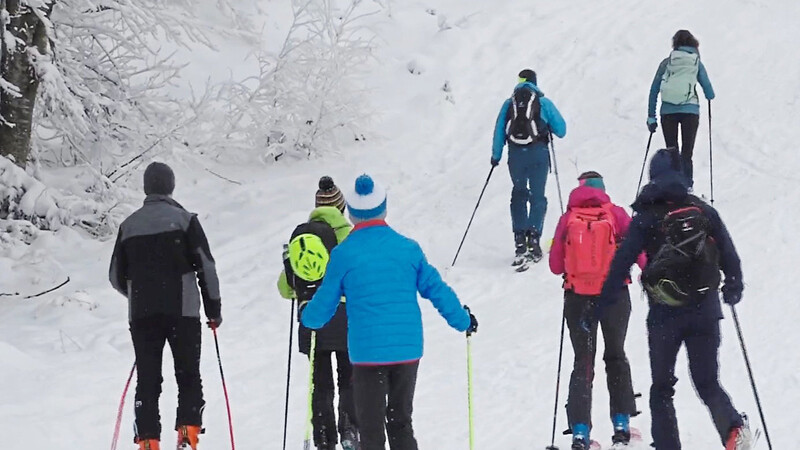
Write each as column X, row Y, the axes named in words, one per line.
column 160, row 254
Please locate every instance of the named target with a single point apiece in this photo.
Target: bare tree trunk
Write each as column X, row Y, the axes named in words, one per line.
column 17, row 69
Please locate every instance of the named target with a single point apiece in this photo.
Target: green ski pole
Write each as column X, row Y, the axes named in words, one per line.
column 310, row 413
column 469, row 393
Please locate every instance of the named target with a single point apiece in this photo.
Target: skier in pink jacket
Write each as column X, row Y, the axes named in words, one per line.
column 584, row 243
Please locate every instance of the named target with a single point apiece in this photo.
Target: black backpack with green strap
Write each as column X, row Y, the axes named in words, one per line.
column 685, row 265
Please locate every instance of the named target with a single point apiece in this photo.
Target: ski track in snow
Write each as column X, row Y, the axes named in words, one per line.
column 66, row 355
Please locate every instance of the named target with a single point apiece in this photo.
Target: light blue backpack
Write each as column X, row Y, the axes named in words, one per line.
column 679, row 82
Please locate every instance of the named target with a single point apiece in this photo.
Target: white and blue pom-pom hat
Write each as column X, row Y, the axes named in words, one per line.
column 367, row 199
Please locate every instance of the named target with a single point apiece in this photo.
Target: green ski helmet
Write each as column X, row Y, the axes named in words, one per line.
column 308, row 257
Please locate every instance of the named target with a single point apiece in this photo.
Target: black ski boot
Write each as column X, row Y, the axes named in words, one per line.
column 349, row 433
column 621, row 437
column 580, row 444
column 350, row 440
column 326, row 446
column 519, row 243
column 534, row 250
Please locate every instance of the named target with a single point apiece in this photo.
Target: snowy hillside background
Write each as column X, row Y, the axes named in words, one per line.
column 440, row 72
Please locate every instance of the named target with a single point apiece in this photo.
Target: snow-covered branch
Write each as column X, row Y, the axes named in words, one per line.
column 305, row 96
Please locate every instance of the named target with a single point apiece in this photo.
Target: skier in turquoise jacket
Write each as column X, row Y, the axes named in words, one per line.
column 526, row 122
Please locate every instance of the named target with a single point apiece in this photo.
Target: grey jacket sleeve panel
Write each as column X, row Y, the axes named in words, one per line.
column 117, row 272
column 205, row 267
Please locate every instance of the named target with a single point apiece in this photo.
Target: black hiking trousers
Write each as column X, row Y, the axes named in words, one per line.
column 149, row 336
column 701, row 337
column 372, row 386
column 324, row 418
column 688, row 125
column 584, row 344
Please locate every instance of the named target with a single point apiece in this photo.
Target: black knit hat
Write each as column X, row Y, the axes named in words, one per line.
column 159, row 179
column 529, row 75
column 329, row 195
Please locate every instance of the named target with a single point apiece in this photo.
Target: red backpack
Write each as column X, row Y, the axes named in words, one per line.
column 589, row 248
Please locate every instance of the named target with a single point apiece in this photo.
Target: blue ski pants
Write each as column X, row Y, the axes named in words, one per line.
column 702, row 339
column 528, row 167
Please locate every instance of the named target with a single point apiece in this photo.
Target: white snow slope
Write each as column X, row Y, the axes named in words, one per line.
column 65, row 355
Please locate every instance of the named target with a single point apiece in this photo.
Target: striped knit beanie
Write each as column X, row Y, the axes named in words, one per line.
column 367, row 200
column 329, row 195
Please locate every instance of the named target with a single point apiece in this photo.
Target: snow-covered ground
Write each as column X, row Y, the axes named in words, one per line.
column 65, row 355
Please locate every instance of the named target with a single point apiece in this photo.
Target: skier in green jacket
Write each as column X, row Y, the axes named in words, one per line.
column 302, row 274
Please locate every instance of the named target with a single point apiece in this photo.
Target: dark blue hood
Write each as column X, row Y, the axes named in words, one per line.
column 667, row 181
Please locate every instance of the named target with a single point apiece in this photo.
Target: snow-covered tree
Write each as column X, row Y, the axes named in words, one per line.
column 306, row 95
column 100, row 68
column 88, row 83
column 24, row 40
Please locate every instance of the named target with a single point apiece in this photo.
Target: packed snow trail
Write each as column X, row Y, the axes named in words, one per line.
column 66, row 355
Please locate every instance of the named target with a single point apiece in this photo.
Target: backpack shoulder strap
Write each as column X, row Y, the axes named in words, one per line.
column 695, row 201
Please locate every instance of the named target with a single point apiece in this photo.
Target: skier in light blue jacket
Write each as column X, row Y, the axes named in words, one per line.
column 380, row 272
column 676, row 80
column 526, row 122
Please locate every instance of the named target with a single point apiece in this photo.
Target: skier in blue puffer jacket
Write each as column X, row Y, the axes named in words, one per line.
column 526, row 122
column 380, row 271
column 676, row 80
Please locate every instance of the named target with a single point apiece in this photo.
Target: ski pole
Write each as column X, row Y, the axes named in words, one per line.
column 558, row 380
column 644, row 163
column 555, row 169
column 310, row 413
column 473, row 215
column 750, row 374
column 288, row 376
column 710, row 153
column 469, row 393
column 121, row 407
column 224, row 386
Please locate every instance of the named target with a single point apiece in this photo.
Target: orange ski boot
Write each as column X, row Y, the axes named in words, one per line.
column 189, row 434
column 149, row 444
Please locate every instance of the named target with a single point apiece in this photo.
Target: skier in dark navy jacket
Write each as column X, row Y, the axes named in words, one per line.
column 528, row 159
column 695, row 325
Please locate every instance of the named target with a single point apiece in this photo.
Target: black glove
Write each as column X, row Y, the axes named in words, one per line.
column 214, row 323
column 473, row 322
column 494, row 162
column 732, row 291
column 652, row 124
column 731, row 296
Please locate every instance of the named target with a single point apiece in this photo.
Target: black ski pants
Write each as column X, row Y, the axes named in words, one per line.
column 584, row 344
column 183, row 335
column 372, row 386
column 702, row 339
column 688, row 125
column 324, row 419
